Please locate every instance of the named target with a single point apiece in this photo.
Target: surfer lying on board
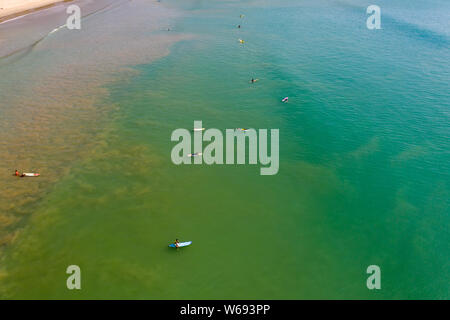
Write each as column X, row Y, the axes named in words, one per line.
column 177, row 243
column 17, row 173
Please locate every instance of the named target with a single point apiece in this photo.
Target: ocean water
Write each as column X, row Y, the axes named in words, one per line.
column 364, row 162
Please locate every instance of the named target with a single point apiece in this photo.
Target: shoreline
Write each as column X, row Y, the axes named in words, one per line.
column 26, row 7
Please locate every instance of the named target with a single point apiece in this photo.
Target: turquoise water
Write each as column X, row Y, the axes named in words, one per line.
column 364, row 164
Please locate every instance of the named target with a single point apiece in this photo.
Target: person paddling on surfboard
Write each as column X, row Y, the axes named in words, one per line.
column 177, row 243
column 17, row 173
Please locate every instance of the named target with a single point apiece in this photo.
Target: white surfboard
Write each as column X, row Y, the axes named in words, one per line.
column 31, row 174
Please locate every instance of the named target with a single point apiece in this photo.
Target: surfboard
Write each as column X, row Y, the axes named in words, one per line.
column 31, row 174
column 181, row 244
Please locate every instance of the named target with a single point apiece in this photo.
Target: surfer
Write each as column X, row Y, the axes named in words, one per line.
column 239, row 26
column 17, row 173
column 177, row 243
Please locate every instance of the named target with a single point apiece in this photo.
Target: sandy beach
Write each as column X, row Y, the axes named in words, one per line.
column 13, row 8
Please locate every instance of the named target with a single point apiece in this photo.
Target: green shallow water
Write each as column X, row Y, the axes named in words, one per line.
column 364, row 166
